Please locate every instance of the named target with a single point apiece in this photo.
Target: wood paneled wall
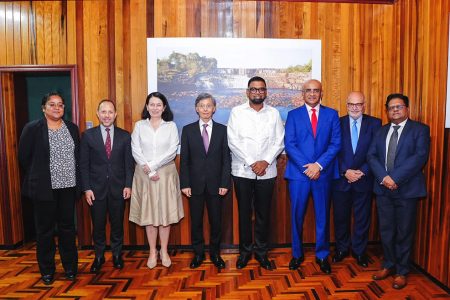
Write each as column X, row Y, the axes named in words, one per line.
column 375, row 48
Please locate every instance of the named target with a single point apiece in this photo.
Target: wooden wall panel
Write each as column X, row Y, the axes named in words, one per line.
column 375, row 48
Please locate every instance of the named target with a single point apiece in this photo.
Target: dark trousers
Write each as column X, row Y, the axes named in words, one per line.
column 343, row 202
column 115, row 209
column 253, row 194
column 196, row 208
column 397, row 219
column 59, row 212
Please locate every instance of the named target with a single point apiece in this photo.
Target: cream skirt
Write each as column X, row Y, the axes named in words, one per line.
column 156, row 202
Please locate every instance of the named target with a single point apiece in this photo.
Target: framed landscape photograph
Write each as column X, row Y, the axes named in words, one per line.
column 182, row 68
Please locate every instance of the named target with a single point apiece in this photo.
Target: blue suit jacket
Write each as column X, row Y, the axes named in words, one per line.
column 302, row 148
column 356, row 161
column 410, row 158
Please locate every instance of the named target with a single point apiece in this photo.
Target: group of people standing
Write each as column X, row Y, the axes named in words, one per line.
column 352, row 157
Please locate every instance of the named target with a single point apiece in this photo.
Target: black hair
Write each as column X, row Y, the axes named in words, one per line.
column 203, row 96
column 256, row 78
column 399, row 96
column 106, row 100
column 48, row 95
column 167, row 114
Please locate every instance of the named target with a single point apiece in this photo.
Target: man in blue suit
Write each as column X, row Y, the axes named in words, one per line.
column 312, row 141
column 397, row 156
column 354, row 187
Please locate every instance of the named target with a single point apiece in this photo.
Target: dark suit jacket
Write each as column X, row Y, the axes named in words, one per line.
column 103, row 175
column 356, row 161
column 34, row 158
column 198, row 169
column 410, row 158
column 302, row 148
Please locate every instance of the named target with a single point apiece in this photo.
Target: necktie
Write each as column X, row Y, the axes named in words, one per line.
column 392, row 147
column 205, row 137
column 354, row 136
column 314, row 121
column 108, row 143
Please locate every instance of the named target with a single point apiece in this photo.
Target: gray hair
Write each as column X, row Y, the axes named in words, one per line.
column 203, row 96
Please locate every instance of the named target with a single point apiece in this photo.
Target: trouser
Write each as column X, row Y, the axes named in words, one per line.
column 59, row 212
column 253, row 194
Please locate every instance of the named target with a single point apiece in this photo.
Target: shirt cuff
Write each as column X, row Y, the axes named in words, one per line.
column 320, row 166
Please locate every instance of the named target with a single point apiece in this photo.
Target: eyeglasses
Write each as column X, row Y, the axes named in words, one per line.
column 396, row 107
column 355, row 105
column 311, row 91
column 255, row 90
column 205, row 106
column 55, row 105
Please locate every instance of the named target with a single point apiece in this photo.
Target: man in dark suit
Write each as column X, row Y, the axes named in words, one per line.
column 354, row 187
column 205, row 174
column 107, row 168
column 397, row 156
column 312, row 141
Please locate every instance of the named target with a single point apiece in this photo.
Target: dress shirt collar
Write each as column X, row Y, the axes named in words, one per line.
column 309, row 108
column 210, row 123
column 104, row 128
column 402, row 124
column 358, row 121
column 249, row 107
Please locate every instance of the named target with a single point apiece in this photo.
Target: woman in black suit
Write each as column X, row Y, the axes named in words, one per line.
column 48, row 153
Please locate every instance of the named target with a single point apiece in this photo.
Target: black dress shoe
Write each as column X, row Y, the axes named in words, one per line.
column 362, row 260
column 324, row 265
column 217, row 261
column 97, row 264
column 70, row 275
column 242, row 261
column 339, row 256
column 197, row 261
column 295, row 262
column 118, row 262
column 47, row 279
column 264, row 262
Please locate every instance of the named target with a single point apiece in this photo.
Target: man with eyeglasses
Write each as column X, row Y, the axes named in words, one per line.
column 255, row 138
column 205, row 177
column 353, row 189
column 397, row 155
column 312, row 141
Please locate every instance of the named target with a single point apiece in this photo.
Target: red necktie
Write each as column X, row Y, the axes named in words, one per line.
column 108, row 143
column 314, row 121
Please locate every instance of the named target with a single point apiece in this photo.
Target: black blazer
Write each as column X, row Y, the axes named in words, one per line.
column 356, row 161
column 410, row 158
column 103, row 175
column 34, row 158
column 198, row 168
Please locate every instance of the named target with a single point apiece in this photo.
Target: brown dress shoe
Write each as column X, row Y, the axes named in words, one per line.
column 399, row 282
column 382, row 274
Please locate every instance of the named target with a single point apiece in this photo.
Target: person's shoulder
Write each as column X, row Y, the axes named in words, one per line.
column 120, row 130
column 241, row 106
column 418, row 124
column 219, row 125
column 191, row 126
column 372, row 120
column 344, row 118
column 327, row 109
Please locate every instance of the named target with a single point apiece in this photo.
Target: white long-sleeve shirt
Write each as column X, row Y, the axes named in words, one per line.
column 154, row 148
column 254, row 136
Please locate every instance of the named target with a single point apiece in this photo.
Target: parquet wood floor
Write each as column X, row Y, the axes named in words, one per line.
column 20, row 279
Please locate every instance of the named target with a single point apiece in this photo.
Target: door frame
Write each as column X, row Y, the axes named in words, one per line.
column 10, row 200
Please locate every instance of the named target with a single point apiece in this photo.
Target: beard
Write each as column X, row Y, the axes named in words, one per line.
column 257, row 100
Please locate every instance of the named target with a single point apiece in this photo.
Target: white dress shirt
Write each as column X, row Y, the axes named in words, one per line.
column 154, row 147
column 254, row 136
column 317, row 108
column 391, row 130
column 208, row 128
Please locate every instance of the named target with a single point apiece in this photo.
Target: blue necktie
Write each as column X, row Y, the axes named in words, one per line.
column 354, row 136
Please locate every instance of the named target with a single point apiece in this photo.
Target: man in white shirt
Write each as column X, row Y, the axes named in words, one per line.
column 255, row 138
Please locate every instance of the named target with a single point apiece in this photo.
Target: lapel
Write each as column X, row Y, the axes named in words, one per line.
column 305, row 117
column 383, row 142
column 214, row 138
column 403, row 136
column 321, row 120
column 98, row 140
column 362, row 132
column 347, row 135
column 198, row 137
